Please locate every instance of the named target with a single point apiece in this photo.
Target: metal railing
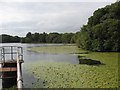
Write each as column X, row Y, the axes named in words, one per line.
column 13, row 53
column 10, row 53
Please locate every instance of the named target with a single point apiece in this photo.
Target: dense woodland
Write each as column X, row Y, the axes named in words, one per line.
column 48, row 38
column 100, row 34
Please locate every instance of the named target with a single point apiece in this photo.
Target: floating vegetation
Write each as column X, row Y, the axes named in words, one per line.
column 69, row 49
column 64, row 75
column 60, row 75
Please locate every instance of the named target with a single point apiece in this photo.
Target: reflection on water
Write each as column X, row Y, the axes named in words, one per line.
column 34, row 56
column 28, row 79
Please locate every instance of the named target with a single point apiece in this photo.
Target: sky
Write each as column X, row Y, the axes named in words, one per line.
column 18, row 17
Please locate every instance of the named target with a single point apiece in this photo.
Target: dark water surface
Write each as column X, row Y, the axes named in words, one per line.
column 30, row 56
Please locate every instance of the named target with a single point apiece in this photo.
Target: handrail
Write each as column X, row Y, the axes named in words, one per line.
column 13, row 50
column 19, row 73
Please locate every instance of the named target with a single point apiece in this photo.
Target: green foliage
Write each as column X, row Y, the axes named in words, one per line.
column 48, row 38
column 62, row 49
column 29, row 37
column 36, row 37
column 9, row 39
column 54, row 38
column 102, row 31
column 66, row 37
column 40, row 38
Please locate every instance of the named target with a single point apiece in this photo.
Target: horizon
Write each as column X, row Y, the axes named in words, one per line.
column 36, row 32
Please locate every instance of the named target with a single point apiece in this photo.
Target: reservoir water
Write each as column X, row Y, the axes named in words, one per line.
column 30, row 56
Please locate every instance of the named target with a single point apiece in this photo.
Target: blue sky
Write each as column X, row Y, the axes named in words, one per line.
column 17, row 17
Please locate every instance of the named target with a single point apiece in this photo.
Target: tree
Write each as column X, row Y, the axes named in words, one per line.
column 102, row 30
column 36, row 37
column 66, row 37
column 29, row 38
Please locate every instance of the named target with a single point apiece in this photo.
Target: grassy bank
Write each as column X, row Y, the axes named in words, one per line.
column 69, row 48
column 63, row 75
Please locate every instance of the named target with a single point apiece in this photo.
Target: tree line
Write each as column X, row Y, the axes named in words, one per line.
column 48, row 38
column 4, row 38
column 102, row 32
column 39, row 38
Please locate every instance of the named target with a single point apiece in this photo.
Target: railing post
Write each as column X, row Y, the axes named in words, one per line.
column 11, row 52
column 19, row 72
column 3, row 55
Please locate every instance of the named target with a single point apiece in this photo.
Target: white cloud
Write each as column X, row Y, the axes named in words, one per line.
column 18, row 18
column 58, row 0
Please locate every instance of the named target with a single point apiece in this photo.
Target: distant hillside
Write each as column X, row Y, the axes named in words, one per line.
column 9, row 39
column 102, row 32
